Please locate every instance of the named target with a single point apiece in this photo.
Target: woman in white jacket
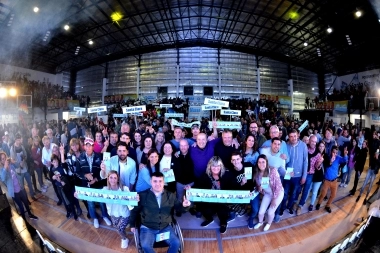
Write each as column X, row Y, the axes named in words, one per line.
column 119, row 213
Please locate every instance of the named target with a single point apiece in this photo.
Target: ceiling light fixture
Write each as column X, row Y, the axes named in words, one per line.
column 348, row 40
column 358, row 13
column 116, row 16
column 10, row 20
column 77, row 50
column 329, row 30
column 36, row 9
column 46, row 36
column 319, row 52
column 305, row 44
column 90, row 42
column 66, row 27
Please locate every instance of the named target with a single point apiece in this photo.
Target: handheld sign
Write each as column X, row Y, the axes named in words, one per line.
column 182, row 124
column 165, row 105
column 133, row 109
column 169, row 176
column 289, row 170
column 97, row 109
column 302, row 127
column 163, row 236
column 218, row 196
column 227, row 124
column 106, row 158
column 230, row 112
column 264, row 182
column 248, row 172
column 174, row 115
column 118, row 115
column 79, row 109
column 209, row 101
column 211, row 107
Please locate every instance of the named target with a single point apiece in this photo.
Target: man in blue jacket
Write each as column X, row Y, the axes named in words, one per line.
column 331, row 167
column 298, row 160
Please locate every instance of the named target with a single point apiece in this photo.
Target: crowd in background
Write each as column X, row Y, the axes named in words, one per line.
column 289, row 163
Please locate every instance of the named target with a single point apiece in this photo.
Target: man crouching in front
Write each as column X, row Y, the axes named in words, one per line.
column 155, row 210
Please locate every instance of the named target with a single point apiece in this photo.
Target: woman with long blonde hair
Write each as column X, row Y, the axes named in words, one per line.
column 119, row 213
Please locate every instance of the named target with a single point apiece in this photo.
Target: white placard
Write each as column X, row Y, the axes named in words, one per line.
column 79, row 109
column 141, row 108
column 174, row 115
column 226, row 124
column 118, row 115
column 288, row 173
column 97, row 109
column 209, row 101
column 302, row 127
column 211, row 107
column 182, row 124
column 166, row 106
column 230, row 112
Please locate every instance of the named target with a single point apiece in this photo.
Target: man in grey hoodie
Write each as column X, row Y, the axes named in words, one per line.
column 298, row 162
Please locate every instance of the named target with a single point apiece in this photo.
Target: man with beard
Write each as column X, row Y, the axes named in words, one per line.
column 112, row 141
column 124, row 165
column 260, row 139
column 314, row 161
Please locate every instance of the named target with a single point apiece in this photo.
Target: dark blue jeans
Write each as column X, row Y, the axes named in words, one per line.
column 255, row 207
column 306, row 189
column 22, row 200
column 148, row 237
column 291, row 188
column 91, row 209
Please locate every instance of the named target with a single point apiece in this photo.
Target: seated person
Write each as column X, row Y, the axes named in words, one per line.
column 155, row 210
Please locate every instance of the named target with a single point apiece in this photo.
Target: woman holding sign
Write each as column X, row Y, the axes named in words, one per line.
column 215, row 178
column 269, row 184
column 119, row 213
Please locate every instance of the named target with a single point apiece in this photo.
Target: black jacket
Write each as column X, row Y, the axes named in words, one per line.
column 153, row 216
column 183, row 167
column 227, row 182
column 84, row 168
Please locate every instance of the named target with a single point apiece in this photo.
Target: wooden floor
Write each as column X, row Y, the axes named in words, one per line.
column 81, row 236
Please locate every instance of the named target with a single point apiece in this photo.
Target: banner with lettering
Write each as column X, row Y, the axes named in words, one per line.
column 107, row 196
column 227, row 125
column 183, row 124
column 97, row 109
column 375, row 119
column 218, row 196
column 341, row 106
column 196, row 112
column 209, row 101
column 134, row 109
column 230, row 112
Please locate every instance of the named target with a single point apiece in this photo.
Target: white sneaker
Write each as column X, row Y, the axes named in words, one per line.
column 267, row 226
column 96, row 223
column 107, row 221
column 45, row 186
column 341, row 185
column 124, row 243
column 43, row 190
column 258, row 225
column 345, row 185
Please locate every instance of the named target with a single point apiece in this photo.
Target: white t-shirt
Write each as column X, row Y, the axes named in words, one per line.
column 117, row 210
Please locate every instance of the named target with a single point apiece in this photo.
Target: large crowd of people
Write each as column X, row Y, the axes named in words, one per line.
column 287, row 166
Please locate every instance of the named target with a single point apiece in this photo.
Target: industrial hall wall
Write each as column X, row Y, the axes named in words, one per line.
column 197, row 67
